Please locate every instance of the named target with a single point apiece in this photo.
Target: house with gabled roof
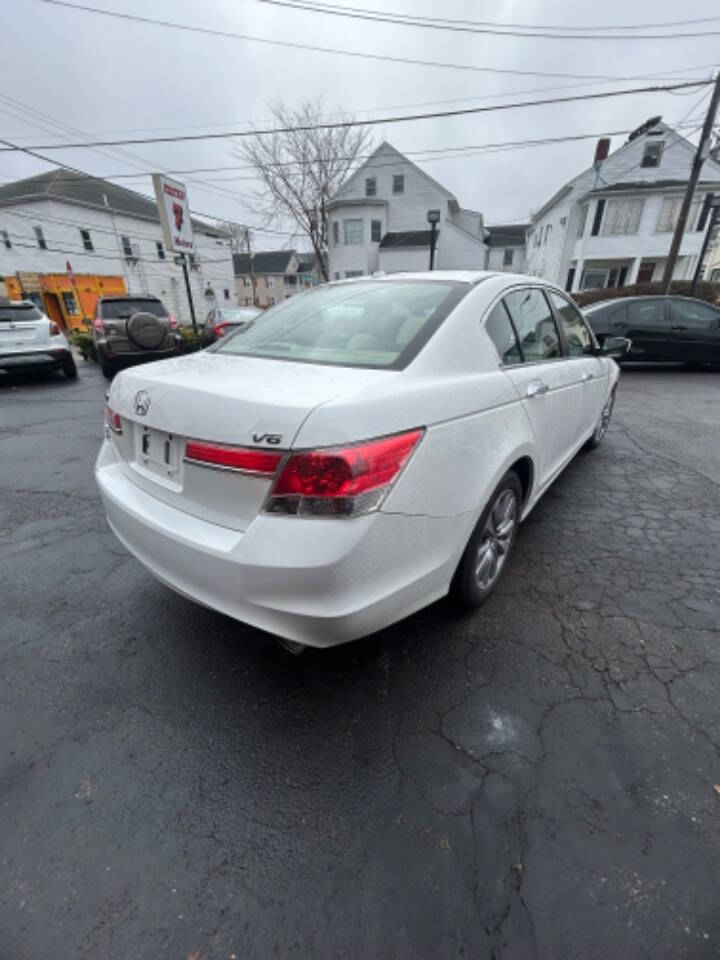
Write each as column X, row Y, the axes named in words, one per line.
column 612, row 225
column 378, row 221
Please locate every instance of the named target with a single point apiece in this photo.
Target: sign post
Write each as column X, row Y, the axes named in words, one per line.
column 176, row 223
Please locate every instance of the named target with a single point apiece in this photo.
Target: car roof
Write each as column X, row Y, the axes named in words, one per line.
column 649, row 296
column 130, row 296
column 459, row 276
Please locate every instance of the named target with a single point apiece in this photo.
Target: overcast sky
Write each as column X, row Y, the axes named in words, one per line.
column 112, row 78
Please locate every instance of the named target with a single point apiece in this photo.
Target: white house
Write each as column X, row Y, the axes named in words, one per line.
column 613, row 224
column 60, row 218
column 378, row 221
column 506, row 247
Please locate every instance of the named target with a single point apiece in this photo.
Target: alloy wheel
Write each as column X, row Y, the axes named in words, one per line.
column 496, row 539
column 604, row 422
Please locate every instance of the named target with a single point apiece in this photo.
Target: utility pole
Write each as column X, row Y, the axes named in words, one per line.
column 250, row 265
column 712, row 210
column 700, row 154
column 183, row 259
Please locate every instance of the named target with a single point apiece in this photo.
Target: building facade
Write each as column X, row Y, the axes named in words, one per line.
column 65, row 223
column 378, row 221
column 273, row 276
column 613, row 224
column 506, row 248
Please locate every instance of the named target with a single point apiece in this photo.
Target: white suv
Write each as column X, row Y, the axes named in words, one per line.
column 30, row 340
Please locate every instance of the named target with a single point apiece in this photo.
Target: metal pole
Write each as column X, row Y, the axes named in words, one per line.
column 433, row 228
column 712, row 221
column 700, row 154
column 189, row 292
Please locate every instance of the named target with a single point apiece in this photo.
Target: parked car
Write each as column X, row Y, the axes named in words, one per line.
column 130, row 329
column 221, row 321
column 660, row 328
column 31, row 340
column 327, row 471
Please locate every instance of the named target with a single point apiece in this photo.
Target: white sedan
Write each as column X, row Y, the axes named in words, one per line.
column 358, row 452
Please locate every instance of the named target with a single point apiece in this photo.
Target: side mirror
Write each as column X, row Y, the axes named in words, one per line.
column 615, row 347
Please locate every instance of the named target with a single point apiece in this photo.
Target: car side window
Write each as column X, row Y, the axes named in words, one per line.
column 500, row 330
column 648, row 313
column 577, row 336
column 534, row 323
column 693, row 315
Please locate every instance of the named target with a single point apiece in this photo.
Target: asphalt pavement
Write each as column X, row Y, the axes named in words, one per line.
column 532, row 781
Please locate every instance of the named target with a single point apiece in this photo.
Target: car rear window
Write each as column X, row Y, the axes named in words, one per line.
column 19, row 312
column 378, row 324
column 121, row 309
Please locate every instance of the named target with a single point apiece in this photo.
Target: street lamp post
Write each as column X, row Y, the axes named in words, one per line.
column 433, row 218
column 713, row 211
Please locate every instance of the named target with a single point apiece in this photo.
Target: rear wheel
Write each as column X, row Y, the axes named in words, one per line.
column 489, row 547
column 108, row 369
column 69, row 368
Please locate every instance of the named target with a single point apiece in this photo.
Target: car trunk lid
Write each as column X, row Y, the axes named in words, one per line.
column 22, row 327
column 233, row 401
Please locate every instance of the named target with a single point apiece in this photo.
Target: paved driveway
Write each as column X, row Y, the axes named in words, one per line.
column 535, row 780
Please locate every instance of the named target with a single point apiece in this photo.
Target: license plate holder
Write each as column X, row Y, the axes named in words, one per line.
column 158, row 451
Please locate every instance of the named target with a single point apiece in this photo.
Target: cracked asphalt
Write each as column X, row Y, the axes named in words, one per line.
column 532, row 781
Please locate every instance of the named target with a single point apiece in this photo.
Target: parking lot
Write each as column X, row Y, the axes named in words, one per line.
column 534, row 780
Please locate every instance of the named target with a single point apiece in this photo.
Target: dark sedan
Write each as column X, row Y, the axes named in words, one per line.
column 660, row 328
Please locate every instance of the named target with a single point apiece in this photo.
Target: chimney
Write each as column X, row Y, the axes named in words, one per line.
column 602, row 150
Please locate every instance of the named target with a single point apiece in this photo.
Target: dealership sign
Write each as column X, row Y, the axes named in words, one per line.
column 174, row 213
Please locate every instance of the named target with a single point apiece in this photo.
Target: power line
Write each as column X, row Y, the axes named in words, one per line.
column 296, row 45
column 409, row 20
column 343, row 124
column 535, row 26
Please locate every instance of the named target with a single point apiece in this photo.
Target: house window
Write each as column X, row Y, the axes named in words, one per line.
column 70, row 303
column 226, row 293
column 336, row 232
column 597, row 219
column 570, row 279
column 86, row 239
column 370, row 186
column 353, row 230
column 126, row 247
column 336, row 275
column 670, row 213
column 193, row 261
column 548, row 231
column 583, row 221
column 594, row 279
column 622, row 217
column 399, row 183
column 6, row 239
column 563, row 221
column 270, row 281
column 376, row 231
column 271, row 301
column 652, row 154
column 353, row 273
column 246, row 281
column 508, row 257
column 40, row 237
column 160, row 249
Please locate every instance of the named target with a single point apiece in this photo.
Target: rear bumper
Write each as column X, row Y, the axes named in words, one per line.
column 134, row 355
column 316, row 581
column 32, row 359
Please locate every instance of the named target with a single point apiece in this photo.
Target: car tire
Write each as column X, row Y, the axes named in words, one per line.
column 485, row 556
column 598, row 434
column 108, row 369
column 69, row 368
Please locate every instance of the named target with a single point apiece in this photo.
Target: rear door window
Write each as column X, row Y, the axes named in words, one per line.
column 500, row 330
column 535, row 324
column 122, row 309
column 693, row 315
column 577, row 336
column 648, row 314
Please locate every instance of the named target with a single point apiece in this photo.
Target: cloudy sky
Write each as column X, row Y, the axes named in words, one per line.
column 111, row 78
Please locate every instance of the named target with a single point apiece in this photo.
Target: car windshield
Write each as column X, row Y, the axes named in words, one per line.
column 120, row 309
column 19, row 313
column 381, row 324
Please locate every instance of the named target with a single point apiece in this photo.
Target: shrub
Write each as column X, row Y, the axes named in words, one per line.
column 703, row 291
column 84, row 342
column 191, row 341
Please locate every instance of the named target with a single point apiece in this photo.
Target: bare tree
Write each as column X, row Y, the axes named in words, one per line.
column 302, row 169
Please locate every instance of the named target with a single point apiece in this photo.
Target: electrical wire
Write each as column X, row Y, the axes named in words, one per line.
column 345, row 124
column 409, row 20
column 296, row 45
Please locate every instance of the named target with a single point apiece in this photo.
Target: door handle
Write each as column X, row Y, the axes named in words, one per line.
column 535, row 388
column 587, row 375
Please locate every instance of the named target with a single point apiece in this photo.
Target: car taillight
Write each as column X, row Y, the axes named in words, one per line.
column 98, row 324
column 220, row 330
column 341, row 481
column 113, row 420
column 54, row 329
column 173, row 322
column 243, row 459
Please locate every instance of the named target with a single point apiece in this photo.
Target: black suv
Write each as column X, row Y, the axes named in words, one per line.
column 132, row 330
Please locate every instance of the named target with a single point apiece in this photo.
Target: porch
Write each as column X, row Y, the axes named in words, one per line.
column 622, row 272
